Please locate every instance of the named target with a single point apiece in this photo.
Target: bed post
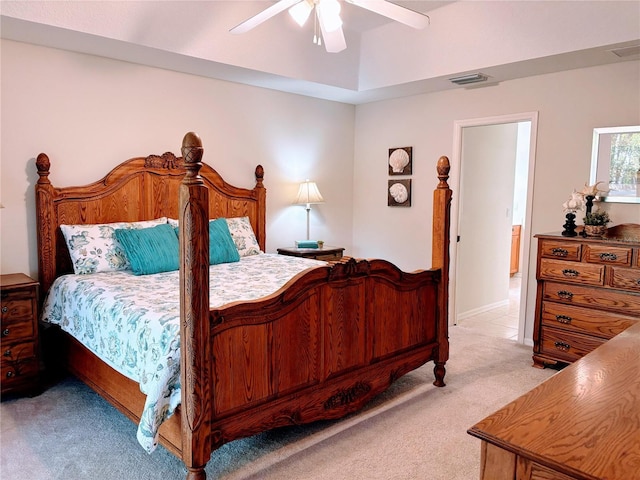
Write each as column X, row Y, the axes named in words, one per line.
column 45, row 225
column 195, row 346
column 440, row 259
column 261, row 193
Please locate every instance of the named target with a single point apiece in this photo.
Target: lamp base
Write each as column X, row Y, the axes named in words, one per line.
column 570, row 226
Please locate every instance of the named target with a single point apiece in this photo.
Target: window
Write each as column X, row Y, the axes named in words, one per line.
column 615, row 161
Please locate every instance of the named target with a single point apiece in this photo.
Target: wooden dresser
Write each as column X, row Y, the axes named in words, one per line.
column 19, row 363
column 580, row 424
column 588, row 292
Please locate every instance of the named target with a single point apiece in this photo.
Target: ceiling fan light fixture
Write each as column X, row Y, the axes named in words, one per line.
column 300, row 12
column 329, row 14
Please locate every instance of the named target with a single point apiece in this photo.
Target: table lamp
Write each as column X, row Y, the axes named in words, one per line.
column 308, row 193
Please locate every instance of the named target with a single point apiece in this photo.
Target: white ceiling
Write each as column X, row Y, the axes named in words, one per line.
column 503, row 39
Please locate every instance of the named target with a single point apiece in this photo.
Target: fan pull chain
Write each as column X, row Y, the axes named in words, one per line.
column 317, row 39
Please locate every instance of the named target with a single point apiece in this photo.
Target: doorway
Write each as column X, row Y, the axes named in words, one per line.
column 495, row 160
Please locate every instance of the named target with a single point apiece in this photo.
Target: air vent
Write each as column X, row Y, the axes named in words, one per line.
column 626, row 51
column 467, row 79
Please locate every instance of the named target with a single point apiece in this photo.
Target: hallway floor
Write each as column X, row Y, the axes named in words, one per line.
column 501, row 321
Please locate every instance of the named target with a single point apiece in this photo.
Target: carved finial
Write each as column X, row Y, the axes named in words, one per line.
column 259, row 175
column 443, row 168
column 192, row 153
column 43, row 164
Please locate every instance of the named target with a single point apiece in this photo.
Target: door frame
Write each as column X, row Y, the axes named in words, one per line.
column 456, row 162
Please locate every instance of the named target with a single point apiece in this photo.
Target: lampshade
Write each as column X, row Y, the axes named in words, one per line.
column 308, row 193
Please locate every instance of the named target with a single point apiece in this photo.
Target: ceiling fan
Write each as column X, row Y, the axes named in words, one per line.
column 327, row 17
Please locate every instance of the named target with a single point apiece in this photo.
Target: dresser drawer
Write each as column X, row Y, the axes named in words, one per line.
column 584, row 320
column 567, row 346
column 572, row 272
column 608, row 255
column 16, row 306
column 626, row 303
column 528, row 470
column 563, row 250
column 329, row 257
column 13, row 330
column 627, row 278
column 14, row 374
column 17, row 353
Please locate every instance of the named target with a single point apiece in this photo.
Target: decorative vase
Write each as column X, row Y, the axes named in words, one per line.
column 595, row 230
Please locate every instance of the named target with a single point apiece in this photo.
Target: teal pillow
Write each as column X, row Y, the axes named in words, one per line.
column 222, row 248
column 150, row 250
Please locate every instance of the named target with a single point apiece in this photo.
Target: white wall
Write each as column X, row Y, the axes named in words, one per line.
column 90, row 113
column 486, row 207
column 570, row 105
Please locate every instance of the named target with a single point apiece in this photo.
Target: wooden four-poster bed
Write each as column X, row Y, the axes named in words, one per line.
column 320, row 347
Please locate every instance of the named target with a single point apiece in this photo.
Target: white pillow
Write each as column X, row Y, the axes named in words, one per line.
column 241, row 232
column 94, row 248
column 243, row 236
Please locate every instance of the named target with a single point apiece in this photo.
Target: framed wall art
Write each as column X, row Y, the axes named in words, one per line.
column 399, row 193
column 400, row 161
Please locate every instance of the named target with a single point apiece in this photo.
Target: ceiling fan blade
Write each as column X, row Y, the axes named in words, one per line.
column 334, row 41
column 394, row 12
column 264, row 15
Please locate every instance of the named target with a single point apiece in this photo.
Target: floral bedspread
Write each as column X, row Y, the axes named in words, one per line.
column 133, row 322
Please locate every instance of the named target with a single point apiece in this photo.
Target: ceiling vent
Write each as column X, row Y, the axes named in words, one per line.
column 626, row 51
column 467, row 79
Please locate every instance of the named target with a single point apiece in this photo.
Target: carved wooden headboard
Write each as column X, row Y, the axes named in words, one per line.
column 141, row 188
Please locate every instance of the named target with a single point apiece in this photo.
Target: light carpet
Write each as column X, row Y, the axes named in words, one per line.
column 412, row 431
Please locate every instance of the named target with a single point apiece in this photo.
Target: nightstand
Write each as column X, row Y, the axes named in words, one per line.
column 324, row 253
column 19, row 362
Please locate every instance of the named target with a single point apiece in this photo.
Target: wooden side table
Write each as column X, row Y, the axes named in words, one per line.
column 19, row 362
column 324, row 253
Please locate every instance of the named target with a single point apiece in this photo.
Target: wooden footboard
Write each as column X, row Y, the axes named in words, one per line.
column 320, row 348
column 331, row 340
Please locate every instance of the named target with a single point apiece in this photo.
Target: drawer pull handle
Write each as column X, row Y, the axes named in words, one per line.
column 608, row 257
column 10, row 374
column 5, row 309
column 563, row 319
column 562, row 346
column 564, row 294
column 568, row 272
column 7, row 352
column 560, row 252
column 5, row 332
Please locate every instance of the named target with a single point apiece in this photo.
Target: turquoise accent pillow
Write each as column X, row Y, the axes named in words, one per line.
column 150, row 250
column 222, row 248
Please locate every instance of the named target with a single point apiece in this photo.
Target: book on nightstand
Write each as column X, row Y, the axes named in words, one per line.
column 306, row 244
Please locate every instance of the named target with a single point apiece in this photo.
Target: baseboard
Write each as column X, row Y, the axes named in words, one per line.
column 483, row 309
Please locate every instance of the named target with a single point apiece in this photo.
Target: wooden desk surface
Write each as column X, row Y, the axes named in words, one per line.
column 584, row 421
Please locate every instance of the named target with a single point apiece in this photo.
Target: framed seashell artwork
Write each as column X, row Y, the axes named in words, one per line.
column 399, row 193
column 400, row 161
